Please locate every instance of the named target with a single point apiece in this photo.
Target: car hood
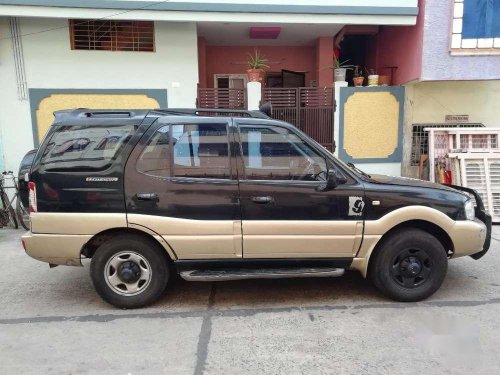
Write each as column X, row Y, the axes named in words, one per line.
column 404, row 181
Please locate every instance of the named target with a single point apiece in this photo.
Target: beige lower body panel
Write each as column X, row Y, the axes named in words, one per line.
column 468, row 236
column 57, row 249
column 301, row 239
column 195, row 239
column 75, row 223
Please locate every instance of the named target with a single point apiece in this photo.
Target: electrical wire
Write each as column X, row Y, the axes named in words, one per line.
column 86, row 22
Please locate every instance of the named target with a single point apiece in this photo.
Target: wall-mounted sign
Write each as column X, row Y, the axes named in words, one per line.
column 456, row 118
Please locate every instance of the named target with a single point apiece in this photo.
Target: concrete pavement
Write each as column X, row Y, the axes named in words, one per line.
column 52, row 321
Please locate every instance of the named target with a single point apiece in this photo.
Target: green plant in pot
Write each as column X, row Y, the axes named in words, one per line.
column 256, row 66
column 358, row 77
column 340, row 69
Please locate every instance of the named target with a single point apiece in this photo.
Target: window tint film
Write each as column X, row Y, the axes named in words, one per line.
column 82, row 148
column 155, row 159
column 275, row 153
column 200, row 150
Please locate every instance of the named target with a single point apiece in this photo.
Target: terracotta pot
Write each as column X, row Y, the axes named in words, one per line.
column 358, row 81
column 255, row 75
column 384, row 80
column 373, row 80
column 339, row 74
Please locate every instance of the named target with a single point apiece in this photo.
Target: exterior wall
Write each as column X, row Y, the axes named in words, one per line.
column 430, row 102
column 401, row 47
column 371, row 128
column 324, row 59
column 232, row 60
column 51, row 64
column 438, row 63
column 382, row 12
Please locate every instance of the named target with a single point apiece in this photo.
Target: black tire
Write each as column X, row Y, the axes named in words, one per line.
column 23, row 216
column 108, row 253
column 409, row 265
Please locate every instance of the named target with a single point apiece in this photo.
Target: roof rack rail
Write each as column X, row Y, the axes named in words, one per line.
column 200, row 111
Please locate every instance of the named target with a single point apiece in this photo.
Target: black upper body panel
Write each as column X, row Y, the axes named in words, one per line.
column 101, row 189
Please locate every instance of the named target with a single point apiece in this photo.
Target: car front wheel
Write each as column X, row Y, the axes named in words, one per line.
column 409, row 265
column 129, row 271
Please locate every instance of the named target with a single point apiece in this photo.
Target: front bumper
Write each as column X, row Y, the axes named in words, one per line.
column 55, row 248
column 486, row 219
column 482, row 216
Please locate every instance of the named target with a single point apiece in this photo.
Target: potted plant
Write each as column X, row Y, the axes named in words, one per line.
column 340, row 69
column 256, row 66
column 372, row 77
column 358, row 78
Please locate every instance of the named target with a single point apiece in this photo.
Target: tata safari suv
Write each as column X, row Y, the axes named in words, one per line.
column 215, row 195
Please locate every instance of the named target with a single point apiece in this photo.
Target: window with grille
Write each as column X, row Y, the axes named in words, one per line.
column 420, row 138
column 104, row 35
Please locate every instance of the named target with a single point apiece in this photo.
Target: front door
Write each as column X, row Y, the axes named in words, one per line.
column 285, row 211
column 179, row 183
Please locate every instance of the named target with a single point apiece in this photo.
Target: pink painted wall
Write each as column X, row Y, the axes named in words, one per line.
column 232, row 60
column 401, row 46
column 202, row 58
column 324, row 59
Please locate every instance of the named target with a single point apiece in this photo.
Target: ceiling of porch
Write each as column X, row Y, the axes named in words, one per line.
column 238, row 34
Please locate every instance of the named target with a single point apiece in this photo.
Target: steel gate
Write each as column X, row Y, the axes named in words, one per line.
column 308, row 108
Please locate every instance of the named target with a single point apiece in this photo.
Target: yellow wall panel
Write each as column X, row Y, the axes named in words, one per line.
column 57, row 102
column 371, row 124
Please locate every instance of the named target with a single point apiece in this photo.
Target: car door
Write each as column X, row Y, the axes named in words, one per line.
column 286, row 212
column 181, row 184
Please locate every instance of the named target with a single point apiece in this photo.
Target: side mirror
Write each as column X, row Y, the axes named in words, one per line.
column 333, row 180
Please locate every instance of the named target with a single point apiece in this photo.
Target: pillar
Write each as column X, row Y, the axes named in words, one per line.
column 324, row 60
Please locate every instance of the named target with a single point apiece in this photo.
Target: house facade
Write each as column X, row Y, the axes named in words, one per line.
column 57, row 54
column 457, row 77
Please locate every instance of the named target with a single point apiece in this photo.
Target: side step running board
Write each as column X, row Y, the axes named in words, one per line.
column 264, row 273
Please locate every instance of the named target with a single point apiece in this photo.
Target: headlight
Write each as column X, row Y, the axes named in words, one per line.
column 470, row 210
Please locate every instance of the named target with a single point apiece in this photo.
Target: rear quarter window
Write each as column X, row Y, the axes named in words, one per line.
column 83, row 148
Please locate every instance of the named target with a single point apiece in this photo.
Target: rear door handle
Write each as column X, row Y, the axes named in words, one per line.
column 262, row 200
column 147, row 197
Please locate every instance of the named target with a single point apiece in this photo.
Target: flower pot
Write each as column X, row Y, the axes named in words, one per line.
column 358, row 81
column 384, row 80
column 255, row 75
column 373, row 80
column 339, row 74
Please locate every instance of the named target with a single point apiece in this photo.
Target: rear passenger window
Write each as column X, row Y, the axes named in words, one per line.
column 200, row 150
column 187, row 150
column 82, row 148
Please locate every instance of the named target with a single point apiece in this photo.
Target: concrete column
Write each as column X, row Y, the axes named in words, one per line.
column 324, row 59
column 254, row 95
column 336, row 117
column 202, row 62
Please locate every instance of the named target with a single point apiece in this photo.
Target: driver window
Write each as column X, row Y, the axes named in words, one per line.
column 275, row 153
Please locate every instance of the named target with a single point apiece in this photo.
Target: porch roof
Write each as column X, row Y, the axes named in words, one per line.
column 382, row 12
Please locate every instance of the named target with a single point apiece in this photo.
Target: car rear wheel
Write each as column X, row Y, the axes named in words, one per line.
column 129, row 271
column 410, row 265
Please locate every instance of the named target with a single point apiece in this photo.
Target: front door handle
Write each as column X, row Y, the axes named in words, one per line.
column 262, row 200
column 147, row 197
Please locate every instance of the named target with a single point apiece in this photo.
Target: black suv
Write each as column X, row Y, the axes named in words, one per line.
column 225, row 195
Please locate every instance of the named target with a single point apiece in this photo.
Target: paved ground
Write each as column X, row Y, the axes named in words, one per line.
column 52, row 321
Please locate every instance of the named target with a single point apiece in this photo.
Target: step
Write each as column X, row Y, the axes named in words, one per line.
column 261, row 273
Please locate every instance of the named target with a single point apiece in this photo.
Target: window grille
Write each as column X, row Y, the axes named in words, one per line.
column 420, row 138
column 105, row 35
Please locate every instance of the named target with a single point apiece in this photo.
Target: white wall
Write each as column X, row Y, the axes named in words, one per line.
column 50, row 63
column 430, row 102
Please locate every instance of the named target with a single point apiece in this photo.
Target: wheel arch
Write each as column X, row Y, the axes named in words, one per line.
column 89, row 249
column 373, row 244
